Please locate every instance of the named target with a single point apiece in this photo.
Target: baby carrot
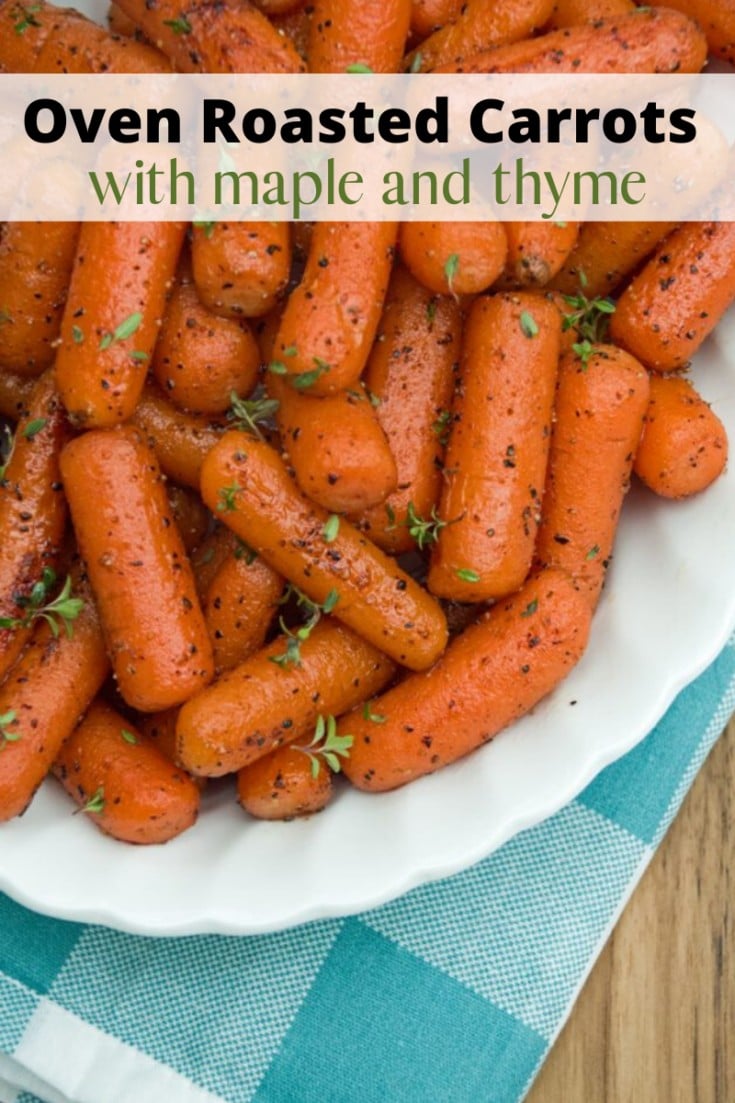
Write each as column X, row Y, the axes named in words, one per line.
column 330, row 319
column 605, row 253
column 241, row 269
column 675, row 302
column 600, row 405
column 568, row 13
column 36, row 260
column 200, row 358
column 411, row 374
column 138, row 568
column 268, row 701
column 282, row 786
column 121, row 24
column 42, row 699
column 339, row 453
column 247, row 484
column 15, row 395
column 428, row 16
column 190, row 514
column 684, row 444
column 480, row 26
column 122, row 781
column 77, row 45
column 498, row 445
column 537, row 250
column 490, row 675
column 294, row 25
column 116, row 299
column 717, row 20
column 369, row 33
column 239, row 607
column 458, row 258
column 180, row 440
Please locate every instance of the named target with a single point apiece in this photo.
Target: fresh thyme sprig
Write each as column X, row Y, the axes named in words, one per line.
column 249, row 413
column 63, row 610
column 327, row 745
column 294, row 638
column 590, row 318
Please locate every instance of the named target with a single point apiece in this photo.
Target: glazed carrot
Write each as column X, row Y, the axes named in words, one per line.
column 339, row 453
column 190, row 515
column 331, row 318
column 684, row 444
column 117, row 295
column 490, row 675
column 138, row 568
column 32, row 511
column 246, row 483
column 43, row 698
column 77, row 45
column 459, row 258
column 568, row 13
column 428, row 16
column 15, row 394
column 239, row 607
column 358, row 32
column 122, row 781
column 607, row 252
column 675, row 302
column 600, row 405
column 180, row 440
column 646, row 41
column 537, row 250
column 498, row 445
column 22, row 37
column 241, row 269
column 210, row 555
column 479, row 26
column 282, row 786
column 121, row 24
column 261, row 705
column 216, row 36
column 160, row 729
column 410, row 372
column 35, row 268
column 717, row 20
column 200, row 358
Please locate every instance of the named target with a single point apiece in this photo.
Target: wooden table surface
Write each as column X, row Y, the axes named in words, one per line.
column 655, row 1022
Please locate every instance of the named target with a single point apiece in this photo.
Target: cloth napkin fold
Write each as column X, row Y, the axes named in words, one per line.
column 451, row 994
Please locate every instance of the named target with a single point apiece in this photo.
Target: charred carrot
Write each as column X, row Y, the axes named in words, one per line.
column 480, row 26
column 122, row 781
column 717, row 20
column 569, row 13
column 35, row 268
column 339, row 453
column 266, row 701
column 15, row 395
column 600, row 404
column 77, row 45
column 537, row 251
column 138, row 568
column 496, row 457
column 675, row 302
column 490, row 675
column 369, row 34
column 200, row 358
column 116, row 300
column 241, row 269
column 684, row 444
column 457, row 258
column 239, row 606
column 607, row 252
column 410, row 374
column 180, row 440
column 43, row 698
column 189, row 513
column 247, row 484
column 283, row 786
column 330, row 319
column 646, row 41
column 32, row 515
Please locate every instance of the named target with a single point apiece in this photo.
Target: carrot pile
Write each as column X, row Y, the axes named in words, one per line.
column 358, row 526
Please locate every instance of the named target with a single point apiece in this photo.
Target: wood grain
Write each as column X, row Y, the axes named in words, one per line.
column 655, row 1022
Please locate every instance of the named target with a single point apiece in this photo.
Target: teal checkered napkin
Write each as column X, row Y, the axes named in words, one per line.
column 452, row 994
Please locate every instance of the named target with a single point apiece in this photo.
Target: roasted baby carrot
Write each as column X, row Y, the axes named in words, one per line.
column 459, row 258
column 200, row 358
column 241, row 269
column 122, row 781
column 116, row 300
column 646, row 41
column 496, row 457
column 246, row 483
column 684, row 444
column 338, row 451
column 294, row 25
column 605, row 253
column 598, row 418
column 411, row 375
column 190, row 514
column 138, row 568
column 15, row 394
column 180, row 440
column 330, row 319
column 282, row 786
column 43, row 698
column 537, row 251
column 480, row 26
column 120, row 23
column 77, row 45
column 36, row 260
column 490, row 675
column 268, row 701
column 568, row 13
column 717, row 20
column 428, row 16
column 239, row 606
column 21, row 36
column 32, row 513
column 369, row 33
column 675, row 302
